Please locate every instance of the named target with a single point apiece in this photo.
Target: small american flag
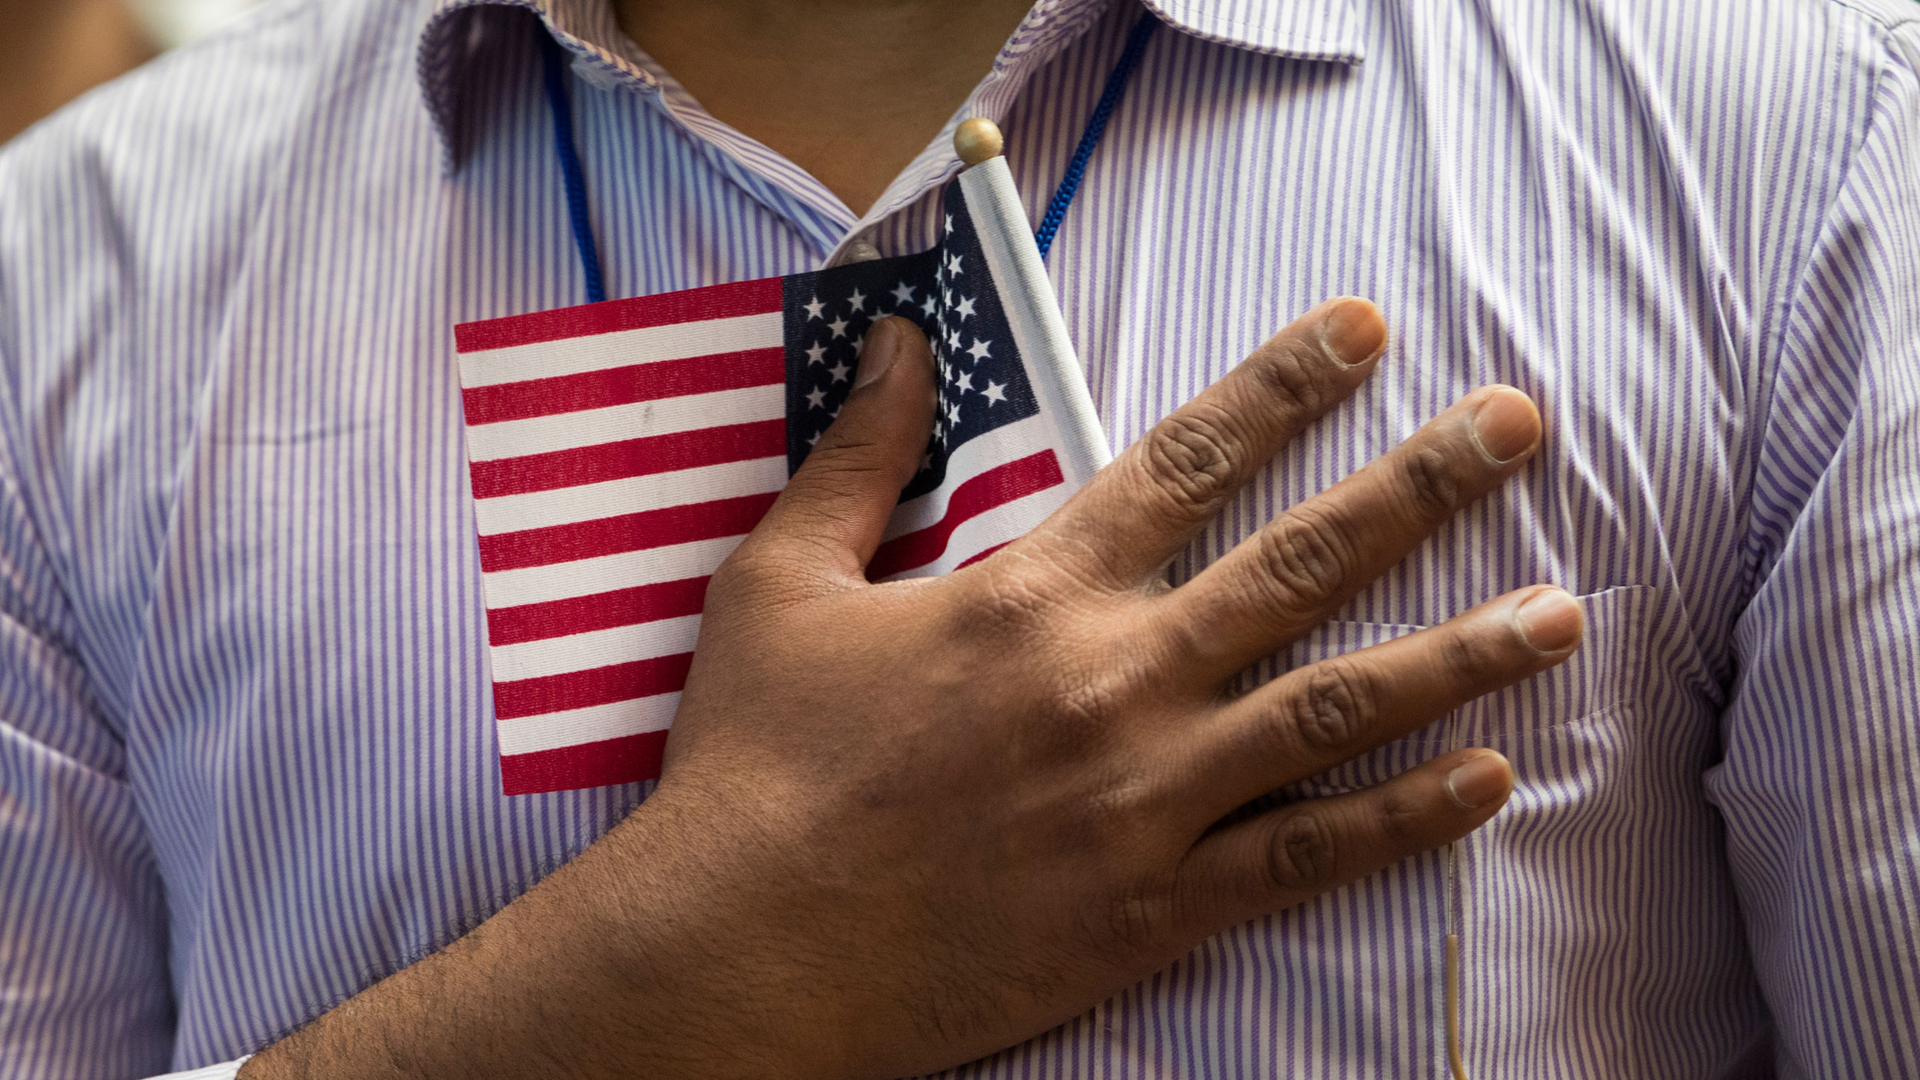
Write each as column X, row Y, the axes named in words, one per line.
column 620, row 451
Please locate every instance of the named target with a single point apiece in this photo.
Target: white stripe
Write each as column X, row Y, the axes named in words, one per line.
column 589, row 427
column 996, row 526
column 622, row 348
column 561, row 581
column 552, row 731
column 975, row 456
column 598, row 648
column 629, row 495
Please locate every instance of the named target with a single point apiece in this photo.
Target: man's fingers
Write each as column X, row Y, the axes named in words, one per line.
column 1293, row 574
column 832, row 513
column 1318, row 716
column 1286, row 856
column 1142, row 509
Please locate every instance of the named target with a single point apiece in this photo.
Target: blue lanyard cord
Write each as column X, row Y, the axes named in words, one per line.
column 571, row 175
column 576, row 183
column 1096, row 127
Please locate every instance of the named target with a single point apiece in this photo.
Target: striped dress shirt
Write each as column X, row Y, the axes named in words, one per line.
column 247, row 757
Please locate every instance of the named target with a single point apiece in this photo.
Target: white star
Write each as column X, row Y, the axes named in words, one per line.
column 965, row 307
column 815, row 355
column 839, row 327
column 814, row 438
column 964, row 382
column 953, row 263
column 953, row 412
column 839, row 372
column 903, row 294
column 929, row 305
column 979, row 351
column 949, row 223
column 953, row 339
column 858, row 300
column 995, row 393
column 948, row 298
column 817, row 398
column 813, row 308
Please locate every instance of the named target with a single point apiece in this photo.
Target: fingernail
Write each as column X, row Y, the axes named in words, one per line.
column 1353, row 331
column 878, row 352
column 1480, row 781
column 1549, row 620
column 1506, row 425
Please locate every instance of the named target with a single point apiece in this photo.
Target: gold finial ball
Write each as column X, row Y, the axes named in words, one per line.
column 976, row 140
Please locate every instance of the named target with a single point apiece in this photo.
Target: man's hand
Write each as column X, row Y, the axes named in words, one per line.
column 904, row 825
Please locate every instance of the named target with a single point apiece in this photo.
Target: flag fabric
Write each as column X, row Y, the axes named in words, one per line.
column 618, row 452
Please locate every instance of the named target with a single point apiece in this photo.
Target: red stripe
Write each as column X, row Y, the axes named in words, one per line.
column 997, row 486
column 594, row 686
column 688, row 305
column 625, row 385
column 599, row 611
column 624, row 760
column 629, row 457
column 627, row 532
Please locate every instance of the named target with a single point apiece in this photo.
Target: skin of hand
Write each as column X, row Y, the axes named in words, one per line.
column 907, row 824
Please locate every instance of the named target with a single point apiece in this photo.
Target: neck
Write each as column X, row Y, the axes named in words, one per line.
column 53, row 50
column 850, row 90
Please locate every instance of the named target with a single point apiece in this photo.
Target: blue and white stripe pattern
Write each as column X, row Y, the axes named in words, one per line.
column 247, row 763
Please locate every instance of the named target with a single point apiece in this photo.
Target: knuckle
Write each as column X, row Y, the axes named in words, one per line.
column 1402, row 820
column 1470, row 654
column 1303, row 856
column 1189, row 458
column 1304, row 559
column 1005, row 604
column 1082, row 716
column 1431, row 484
column 1134, row 919
column 754, row 572
column 738, row 571
column 842, row 463
column 1084, row 709
column 1337, row 709
column 1292, row 373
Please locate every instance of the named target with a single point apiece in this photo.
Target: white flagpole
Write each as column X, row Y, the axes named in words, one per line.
column 1039, row 332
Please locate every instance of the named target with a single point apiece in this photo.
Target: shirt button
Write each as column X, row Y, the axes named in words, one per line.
column 858, row 252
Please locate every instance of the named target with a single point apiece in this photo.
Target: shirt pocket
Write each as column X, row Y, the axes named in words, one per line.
column 1616, row 668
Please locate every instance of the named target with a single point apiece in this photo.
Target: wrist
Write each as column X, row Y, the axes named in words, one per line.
column 709, row 967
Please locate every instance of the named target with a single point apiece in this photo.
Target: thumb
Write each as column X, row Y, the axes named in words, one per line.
column 836, row 506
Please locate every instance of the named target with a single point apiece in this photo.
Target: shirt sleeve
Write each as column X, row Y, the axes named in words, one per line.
column 84, row 993
column 1819, row 784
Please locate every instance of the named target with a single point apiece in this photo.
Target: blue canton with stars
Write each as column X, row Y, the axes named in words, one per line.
column 948, row 292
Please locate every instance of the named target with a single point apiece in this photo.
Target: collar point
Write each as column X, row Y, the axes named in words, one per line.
column 1301, row 29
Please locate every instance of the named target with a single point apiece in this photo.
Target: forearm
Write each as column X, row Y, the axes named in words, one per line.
column 608, row 968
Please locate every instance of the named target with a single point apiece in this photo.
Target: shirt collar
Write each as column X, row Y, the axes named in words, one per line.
column 1303, row 29
column 459, row 33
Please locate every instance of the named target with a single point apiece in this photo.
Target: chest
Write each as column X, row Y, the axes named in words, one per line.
column 332, row 569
